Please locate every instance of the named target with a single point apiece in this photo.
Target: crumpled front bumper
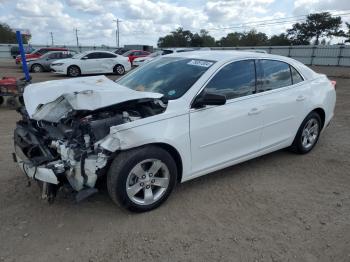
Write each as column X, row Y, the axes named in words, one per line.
column 33, row 171
column 30, row 154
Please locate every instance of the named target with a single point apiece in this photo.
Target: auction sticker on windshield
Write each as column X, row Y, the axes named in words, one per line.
column 201, row 63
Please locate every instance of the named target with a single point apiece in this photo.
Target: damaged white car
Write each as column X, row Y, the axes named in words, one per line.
column 173, row 119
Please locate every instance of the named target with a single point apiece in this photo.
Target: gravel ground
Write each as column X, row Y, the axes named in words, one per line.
column 279, row 207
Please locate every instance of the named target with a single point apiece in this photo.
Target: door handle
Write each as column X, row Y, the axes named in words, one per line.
column 301, row 98
column 254, row 111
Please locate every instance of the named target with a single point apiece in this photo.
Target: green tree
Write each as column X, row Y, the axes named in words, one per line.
column 207, row 40
column 347, row 34
column 232, row 39
column 177, row 38
column 316, row 26
column 7, row 36
column 281, row 39
column 254, row 38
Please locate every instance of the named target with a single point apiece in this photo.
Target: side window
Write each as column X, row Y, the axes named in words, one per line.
column 44, row 51
column 92, row 56
column 296, row 77
column 234, row 80
column 106, row 55
column 52, row 56
column 166, row 52
column 274, row 74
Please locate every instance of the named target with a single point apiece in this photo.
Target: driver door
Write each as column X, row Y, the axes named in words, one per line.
column 91, row 63
column 222, row 134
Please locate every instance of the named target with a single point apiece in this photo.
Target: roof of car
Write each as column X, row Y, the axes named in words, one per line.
column 99, row 51
column 220, row 55
column 228, row 55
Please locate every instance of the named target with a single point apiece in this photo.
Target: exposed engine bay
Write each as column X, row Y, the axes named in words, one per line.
column 60, row 145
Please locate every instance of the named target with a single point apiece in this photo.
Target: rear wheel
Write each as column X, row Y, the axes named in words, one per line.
column 308, row 134
column 142, row 179
column 37, row 68
column 73, row 71
column 119, row 69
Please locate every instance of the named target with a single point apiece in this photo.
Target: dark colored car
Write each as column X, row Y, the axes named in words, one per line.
column 43, row 63
column 132, row 54
column 15, row 51
column 39, row 52
column 120, row 51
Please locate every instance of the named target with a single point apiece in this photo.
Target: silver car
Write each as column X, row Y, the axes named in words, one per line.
column 43, row 63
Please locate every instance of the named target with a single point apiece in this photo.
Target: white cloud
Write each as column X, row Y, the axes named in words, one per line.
column 309, row 6
column 144, row 21
column 90, row 6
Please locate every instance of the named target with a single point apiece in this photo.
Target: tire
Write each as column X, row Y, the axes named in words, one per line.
column 1, row 100
column 73, row 71
column 132, row 170
column 119, row 70
column 12, row 102
column 37, row 68
column 311, row 123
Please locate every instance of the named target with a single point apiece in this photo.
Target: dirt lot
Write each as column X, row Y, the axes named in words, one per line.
column 279, row 207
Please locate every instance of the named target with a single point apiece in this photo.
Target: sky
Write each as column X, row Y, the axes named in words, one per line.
column 144, row 21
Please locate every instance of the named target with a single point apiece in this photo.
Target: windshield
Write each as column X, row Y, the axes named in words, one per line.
column 170, row 76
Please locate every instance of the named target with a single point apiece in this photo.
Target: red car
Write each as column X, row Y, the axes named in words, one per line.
column 132, row 54
column 39, row 52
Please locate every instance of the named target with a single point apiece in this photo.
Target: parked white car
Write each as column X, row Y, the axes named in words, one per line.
column 92, row 62
column 174, row 119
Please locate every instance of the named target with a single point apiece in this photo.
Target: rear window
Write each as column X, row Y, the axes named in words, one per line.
column 170, row 76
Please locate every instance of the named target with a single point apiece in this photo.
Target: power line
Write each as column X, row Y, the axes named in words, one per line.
column 260, row 23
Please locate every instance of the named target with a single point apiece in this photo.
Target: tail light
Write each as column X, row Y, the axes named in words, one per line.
column 334, row 83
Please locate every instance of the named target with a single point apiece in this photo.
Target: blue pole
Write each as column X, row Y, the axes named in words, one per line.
column 23, row 55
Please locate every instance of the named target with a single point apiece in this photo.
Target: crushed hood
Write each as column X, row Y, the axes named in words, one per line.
column 51, row 100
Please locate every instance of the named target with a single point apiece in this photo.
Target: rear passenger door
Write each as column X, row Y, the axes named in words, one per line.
column 107, row 62
column 282, row 100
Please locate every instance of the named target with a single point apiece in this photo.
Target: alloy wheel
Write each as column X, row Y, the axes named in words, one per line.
column 310, row 133
column 147, row 182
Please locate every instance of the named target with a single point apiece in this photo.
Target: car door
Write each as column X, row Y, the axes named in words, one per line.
column 107, row 62
column 222, row 134
column 283, row 102
column 49, row 59
column 90, row 63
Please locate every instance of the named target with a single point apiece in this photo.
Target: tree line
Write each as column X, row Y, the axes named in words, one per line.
column 315, row 30
column 8, row 36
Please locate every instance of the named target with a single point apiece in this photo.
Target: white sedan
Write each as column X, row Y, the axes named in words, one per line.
column 174, row 119
column 92, row 62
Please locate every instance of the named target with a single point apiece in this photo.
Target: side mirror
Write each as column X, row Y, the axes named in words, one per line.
column 208, row 99
column 84, row 58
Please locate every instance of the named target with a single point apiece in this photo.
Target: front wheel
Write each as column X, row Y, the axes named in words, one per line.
column 119, row 69
column 142, row 179
column 308, row 134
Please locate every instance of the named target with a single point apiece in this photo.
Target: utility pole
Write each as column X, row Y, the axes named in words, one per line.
column 117, row 32
column 51, row 38
column 76, row 35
